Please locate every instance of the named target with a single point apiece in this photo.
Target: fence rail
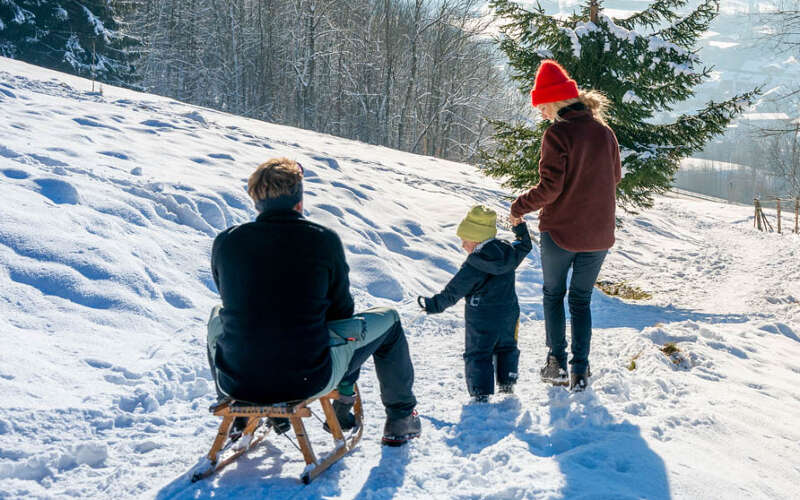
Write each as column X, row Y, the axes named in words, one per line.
column 762, row 222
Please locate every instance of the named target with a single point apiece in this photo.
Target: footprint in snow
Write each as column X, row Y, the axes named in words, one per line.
column 177, row 300
column 157, row 124
column 115, row 154
column 89, row 122
column 221, row 156
column 330, row 161
column 13, row 173
column 58, row 191
column 8, row 153
column 351, row 189
column 47, row 161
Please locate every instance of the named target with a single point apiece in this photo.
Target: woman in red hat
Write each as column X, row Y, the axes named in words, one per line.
column 579, row 171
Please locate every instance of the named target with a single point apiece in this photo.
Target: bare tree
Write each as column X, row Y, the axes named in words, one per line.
column 417, row 75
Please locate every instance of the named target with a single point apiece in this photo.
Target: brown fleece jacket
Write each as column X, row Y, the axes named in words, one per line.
column 579, row 169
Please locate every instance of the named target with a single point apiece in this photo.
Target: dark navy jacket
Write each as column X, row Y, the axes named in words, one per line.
column 487, row 281
column 281, row 279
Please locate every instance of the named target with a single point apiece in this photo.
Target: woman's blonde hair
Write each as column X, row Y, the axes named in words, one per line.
column 274, row 178
column 594, row 100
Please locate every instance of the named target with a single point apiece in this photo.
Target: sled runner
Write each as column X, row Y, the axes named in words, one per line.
column 226, row 450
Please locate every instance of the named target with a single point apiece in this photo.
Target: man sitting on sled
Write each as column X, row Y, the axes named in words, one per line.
column 286, row 329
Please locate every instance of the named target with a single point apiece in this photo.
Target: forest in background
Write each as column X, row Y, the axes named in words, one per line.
column 416, row 75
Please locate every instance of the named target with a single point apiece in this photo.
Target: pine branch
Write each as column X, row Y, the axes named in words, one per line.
column 685, row 31
column 659, row 12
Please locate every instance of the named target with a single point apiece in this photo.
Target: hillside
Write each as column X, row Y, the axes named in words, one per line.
column 110, row 204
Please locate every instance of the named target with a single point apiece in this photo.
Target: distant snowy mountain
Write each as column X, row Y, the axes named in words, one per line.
column 110, row 203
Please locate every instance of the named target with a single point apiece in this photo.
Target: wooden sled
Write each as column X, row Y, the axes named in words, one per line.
column 224, row 451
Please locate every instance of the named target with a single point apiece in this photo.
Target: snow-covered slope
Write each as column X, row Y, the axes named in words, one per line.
column 109, row 206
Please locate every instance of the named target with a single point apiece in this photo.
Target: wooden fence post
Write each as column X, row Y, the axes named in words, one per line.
column 758, row 213
column 796, row 214
column 755, row 207
column 779, row 216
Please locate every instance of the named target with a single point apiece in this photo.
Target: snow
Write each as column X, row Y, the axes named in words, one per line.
column 655, row 44
column 702, row 164
column 61, row 14
column 574, row 40
column 723, row 45
column 99, row 27
column 631, row 97
column 110, row 204
column 763, row 116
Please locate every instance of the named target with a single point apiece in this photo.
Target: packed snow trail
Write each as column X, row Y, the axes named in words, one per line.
column 110, row 204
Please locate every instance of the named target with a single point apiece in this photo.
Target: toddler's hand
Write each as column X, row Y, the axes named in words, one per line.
column 515, row 220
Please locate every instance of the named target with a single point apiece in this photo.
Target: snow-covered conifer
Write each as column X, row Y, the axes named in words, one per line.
column 644, row 64
column 80, row 37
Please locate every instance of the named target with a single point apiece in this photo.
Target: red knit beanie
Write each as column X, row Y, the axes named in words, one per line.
column 552, row 84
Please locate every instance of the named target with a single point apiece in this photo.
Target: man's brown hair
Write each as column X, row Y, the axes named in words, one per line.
column 274, row 178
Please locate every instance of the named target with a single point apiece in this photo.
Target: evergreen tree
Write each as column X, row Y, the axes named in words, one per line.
column 79, row 37
column 644, row 64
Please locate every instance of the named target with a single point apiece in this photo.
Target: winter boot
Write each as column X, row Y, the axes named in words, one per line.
column 505, row 388
column 399, row 430
column 552, row 373
column 342, row 407
column 480, row 398
column 239, row 423
column 280, row 424
column 579, row 381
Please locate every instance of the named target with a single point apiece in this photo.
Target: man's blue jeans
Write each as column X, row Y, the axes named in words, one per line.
column 556, row 263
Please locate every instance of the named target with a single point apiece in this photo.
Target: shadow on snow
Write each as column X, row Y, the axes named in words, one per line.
column 598, row 456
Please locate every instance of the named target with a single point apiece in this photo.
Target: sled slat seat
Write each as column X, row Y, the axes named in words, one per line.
column 295, row 411
column 244, row 409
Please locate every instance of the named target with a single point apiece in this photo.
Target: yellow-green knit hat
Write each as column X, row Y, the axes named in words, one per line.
column 480, row 224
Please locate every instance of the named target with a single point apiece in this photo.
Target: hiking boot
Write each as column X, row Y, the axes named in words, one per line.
column 399, row 430
column 505, row 388
column 342, row 409
column 578, row 382
column 279, row 424
column 480, row 398
column 553, row 373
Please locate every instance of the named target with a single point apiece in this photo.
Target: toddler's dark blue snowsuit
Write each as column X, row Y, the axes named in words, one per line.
column 487, row 281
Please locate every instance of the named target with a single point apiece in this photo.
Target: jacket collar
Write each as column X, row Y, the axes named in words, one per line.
column 481, row 245
column 575, row 106
column 574, row 110
column 282, row 213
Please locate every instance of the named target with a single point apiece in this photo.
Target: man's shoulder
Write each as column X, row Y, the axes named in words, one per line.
column 316, row 226
column 224, row 235
column 255, row 228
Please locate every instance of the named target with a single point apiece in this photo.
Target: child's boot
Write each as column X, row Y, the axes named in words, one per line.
column 506, row 389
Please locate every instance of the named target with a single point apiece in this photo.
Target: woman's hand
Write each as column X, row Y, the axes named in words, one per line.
column 515, row 221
